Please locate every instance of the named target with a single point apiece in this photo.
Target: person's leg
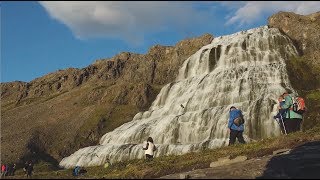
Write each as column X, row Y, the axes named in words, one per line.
column 232, row 138
column 296, row 124
column 287, row 125
column 149, row 157
column 299, row 124
column 290, row 125
column 240, row 137
column 281, row 125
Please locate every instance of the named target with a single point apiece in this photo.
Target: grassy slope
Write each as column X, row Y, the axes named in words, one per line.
column 173, row 164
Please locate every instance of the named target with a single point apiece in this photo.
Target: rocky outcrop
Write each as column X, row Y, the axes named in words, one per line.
column 304, row 31
column 303, row 71
column 69, row 109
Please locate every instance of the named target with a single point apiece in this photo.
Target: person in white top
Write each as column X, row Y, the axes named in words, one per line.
column 149, row 148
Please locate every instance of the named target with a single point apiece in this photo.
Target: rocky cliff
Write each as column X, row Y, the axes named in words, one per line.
column 56, row 114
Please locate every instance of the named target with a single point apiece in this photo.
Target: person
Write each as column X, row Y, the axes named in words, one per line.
column 149, row 148
column 30, row 169
column 25, row 168
column 75, row 171
column 281, row 114
column 292, row 120
column 8, row 169
column 235, row 131
column 13, row 169
column 3, row 170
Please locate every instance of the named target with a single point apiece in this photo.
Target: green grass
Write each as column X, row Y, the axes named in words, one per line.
column 54, row 96
column 302, row 74
column 164, row 165
column 314, row 95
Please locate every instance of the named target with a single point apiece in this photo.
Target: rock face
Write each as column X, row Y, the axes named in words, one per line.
column 304, row 71
column 304, row 30
column 60, row 112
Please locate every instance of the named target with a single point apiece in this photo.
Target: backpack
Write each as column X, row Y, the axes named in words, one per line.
column 298, row 105
column 239, row 120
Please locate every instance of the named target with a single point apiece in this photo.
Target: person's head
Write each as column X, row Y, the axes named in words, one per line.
column 150, row 139
column 280, row 98
column 232, row 108
column 287, row 92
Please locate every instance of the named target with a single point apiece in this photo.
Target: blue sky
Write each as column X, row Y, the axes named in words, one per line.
column 42, row 37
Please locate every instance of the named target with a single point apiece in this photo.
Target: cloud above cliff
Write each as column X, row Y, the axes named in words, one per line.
column 131, row 21
column 121, row 19
column 249, row 12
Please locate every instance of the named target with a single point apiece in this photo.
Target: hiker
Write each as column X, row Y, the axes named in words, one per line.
column 8, row 169
column 25, row 168
column 281, row 114
column 149, row 148
column 292, row 120
column 13, row 169
column 75, row 171
column 3, row 170
column 29, row 169
column 236, row 129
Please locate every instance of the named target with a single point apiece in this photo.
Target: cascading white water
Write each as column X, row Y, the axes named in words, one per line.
column 245, row 69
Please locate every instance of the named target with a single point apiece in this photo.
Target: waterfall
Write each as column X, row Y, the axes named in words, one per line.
column 245, row 69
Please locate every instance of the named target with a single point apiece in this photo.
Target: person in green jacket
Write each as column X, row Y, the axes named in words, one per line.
column 292, row 120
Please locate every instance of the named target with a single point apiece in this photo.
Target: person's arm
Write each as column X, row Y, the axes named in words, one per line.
column 230, row 121
column 146, row 146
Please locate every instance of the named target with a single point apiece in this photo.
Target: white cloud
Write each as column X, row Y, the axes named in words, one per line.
column 252, row 11
column 125, row 20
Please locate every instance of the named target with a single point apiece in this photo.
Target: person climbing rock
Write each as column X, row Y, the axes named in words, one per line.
column 236, row 125
column 149, row 148
column 292, row 120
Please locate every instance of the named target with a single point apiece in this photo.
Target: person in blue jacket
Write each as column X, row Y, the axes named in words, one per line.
column 235, row 131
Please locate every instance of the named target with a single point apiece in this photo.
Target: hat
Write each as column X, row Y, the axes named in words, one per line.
column 232, row 107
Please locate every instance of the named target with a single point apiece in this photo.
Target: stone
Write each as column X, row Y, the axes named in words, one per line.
column 227, row 158
column 184, row 176
column 281, row 151
column 221, row 162
column 226, row 161
column 239, row 159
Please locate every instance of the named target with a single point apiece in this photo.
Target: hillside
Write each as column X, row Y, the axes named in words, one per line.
column 59, row 113
column 54, row 115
